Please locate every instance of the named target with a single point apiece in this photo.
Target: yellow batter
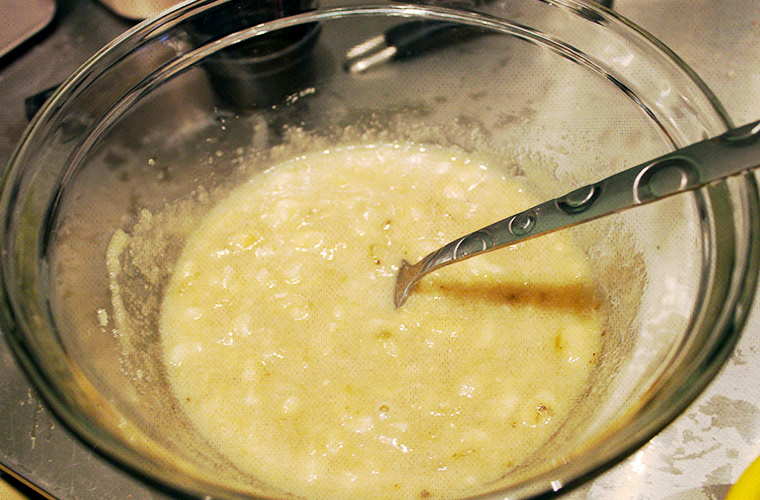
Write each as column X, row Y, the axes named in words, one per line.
column 282, row 342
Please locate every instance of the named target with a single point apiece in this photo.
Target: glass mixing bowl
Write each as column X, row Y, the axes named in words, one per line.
column 160, row 122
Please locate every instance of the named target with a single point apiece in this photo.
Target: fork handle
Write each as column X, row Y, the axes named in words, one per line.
column 731, row 153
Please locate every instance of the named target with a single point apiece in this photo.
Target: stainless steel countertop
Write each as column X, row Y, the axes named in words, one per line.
column 695, row 458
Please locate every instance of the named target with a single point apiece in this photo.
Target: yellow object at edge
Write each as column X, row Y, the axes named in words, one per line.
column 748, row 485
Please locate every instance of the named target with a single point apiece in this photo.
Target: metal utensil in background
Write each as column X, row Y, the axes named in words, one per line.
column 408, row 39
column 731, row 153
column 401, row 40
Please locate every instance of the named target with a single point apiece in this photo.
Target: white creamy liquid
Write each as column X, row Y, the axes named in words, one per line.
column 283, row 345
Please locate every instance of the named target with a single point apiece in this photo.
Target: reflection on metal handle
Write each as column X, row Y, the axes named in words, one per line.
column 711, row 160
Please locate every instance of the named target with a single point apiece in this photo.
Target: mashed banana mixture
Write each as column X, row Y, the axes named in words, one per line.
column 283, row 345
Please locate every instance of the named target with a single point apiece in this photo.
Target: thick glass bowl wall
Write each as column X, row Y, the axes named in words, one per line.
column 169, row 110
